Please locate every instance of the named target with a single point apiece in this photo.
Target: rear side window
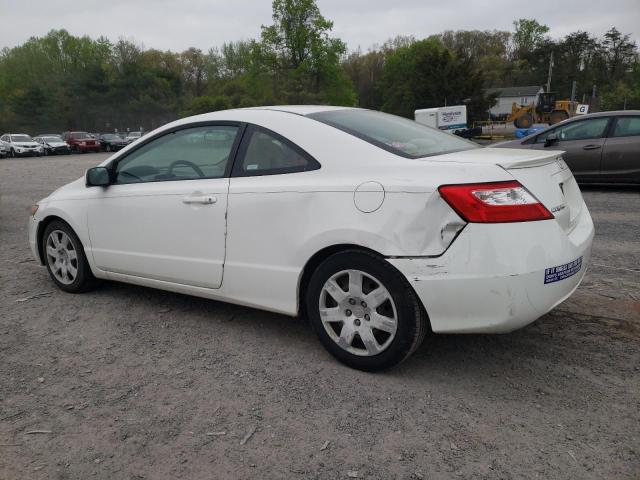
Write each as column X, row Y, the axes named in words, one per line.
column 395, row 134
column 266, row 153
column 627, row 127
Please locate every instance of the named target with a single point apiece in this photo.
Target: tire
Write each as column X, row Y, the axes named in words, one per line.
column 12, row 153
column 525, row 121
column 57, row 233
column 348, row 330
column 108, row 148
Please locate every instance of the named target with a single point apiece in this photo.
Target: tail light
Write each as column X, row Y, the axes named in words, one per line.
column 495, row 202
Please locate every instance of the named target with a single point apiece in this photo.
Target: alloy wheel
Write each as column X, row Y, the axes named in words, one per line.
column 358, row 312
column 62, row 257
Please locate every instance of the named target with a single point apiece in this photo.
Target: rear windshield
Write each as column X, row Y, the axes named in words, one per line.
column 394, row 134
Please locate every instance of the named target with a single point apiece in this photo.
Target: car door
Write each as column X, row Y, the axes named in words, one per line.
column 272, row 184
column 164, row 216
column 582, row 140
column 621, row 153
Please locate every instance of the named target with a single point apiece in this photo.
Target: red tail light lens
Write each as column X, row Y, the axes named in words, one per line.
column 496, row 202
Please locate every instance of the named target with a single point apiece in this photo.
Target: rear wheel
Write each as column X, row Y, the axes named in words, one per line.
column 364, row 311
column 525, row 121
column 65, row 259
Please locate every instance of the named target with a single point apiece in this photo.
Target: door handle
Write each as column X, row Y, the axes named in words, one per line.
column 591, row 147
column 203, row 199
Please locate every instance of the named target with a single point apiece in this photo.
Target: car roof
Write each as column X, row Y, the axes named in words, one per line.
column 612, row 113
column 300, row 109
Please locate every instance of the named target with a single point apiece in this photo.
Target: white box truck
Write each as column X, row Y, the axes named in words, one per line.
column 450, row 119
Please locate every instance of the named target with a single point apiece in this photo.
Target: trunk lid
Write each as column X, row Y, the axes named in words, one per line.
column 543, row 173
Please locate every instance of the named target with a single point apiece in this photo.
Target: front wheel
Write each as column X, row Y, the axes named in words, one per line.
column 524, row 121
column 364, row 311
column 65, row 259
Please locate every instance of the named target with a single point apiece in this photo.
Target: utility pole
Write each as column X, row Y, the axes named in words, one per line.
column 550, row 70
column 573, row 91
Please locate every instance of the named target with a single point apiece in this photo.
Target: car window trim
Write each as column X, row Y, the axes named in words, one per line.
column 237, row 171
column 615, row 124
column 113, row 165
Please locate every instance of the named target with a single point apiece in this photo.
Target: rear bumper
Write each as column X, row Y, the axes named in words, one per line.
column 492, row 278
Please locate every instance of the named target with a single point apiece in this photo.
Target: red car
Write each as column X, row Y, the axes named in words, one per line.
column 81, row 142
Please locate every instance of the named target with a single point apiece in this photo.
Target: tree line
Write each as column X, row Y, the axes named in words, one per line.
column 61, row 82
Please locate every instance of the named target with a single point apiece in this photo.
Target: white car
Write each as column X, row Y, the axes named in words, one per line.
column 21, row 145
column 376, row 228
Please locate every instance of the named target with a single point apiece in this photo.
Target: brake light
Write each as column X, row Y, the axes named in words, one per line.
column 495, row 202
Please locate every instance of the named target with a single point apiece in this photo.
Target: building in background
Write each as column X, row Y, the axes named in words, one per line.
column 507, row 95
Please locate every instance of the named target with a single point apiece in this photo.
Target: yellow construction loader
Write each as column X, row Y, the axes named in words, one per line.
column 547, row 110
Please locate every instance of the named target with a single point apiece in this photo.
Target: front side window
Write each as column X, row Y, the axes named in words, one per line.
column 191, row 153
column 580, row 130
column 627, row 127
column 266, row 153
column 394, row 134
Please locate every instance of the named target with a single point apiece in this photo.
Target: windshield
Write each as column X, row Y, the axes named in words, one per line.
column 394, row 134
column 79, row 135
column 52, row 139
column 110, row 136
column 21, row 138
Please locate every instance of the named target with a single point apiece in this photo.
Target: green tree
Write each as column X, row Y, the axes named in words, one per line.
column 528, row 35
column 304, row 58
column 427, row 74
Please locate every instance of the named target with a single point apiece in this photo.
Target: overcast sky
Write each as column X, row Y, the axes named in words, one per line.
column 179, row 24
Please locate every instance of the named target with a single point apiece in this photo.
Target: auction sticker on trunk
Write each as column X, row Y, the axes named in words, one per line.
column 555, row 274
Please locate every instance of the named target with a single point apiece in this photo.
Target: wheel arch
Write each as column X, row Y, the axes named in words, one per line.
column 315, row 260
column 42, row 226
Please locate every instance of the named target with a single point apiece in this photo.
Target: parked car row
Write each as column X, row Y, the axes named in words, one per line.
column 601, row 147
column 23, row 145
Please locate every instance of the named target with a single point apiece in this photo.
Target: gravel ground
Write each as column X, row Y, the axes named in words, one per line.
column 128, row 382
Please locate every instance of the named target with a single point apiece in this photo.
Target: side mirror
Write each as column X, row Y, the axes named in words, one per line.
column 98, row 177
column 551, row 139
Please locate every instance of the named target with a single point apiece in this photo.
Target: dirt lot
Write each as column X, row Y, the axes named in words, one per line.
column 134, row 383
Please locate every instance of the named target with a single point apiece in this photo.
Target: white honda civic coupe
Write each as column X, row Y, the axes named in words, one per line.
column 376, row 228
